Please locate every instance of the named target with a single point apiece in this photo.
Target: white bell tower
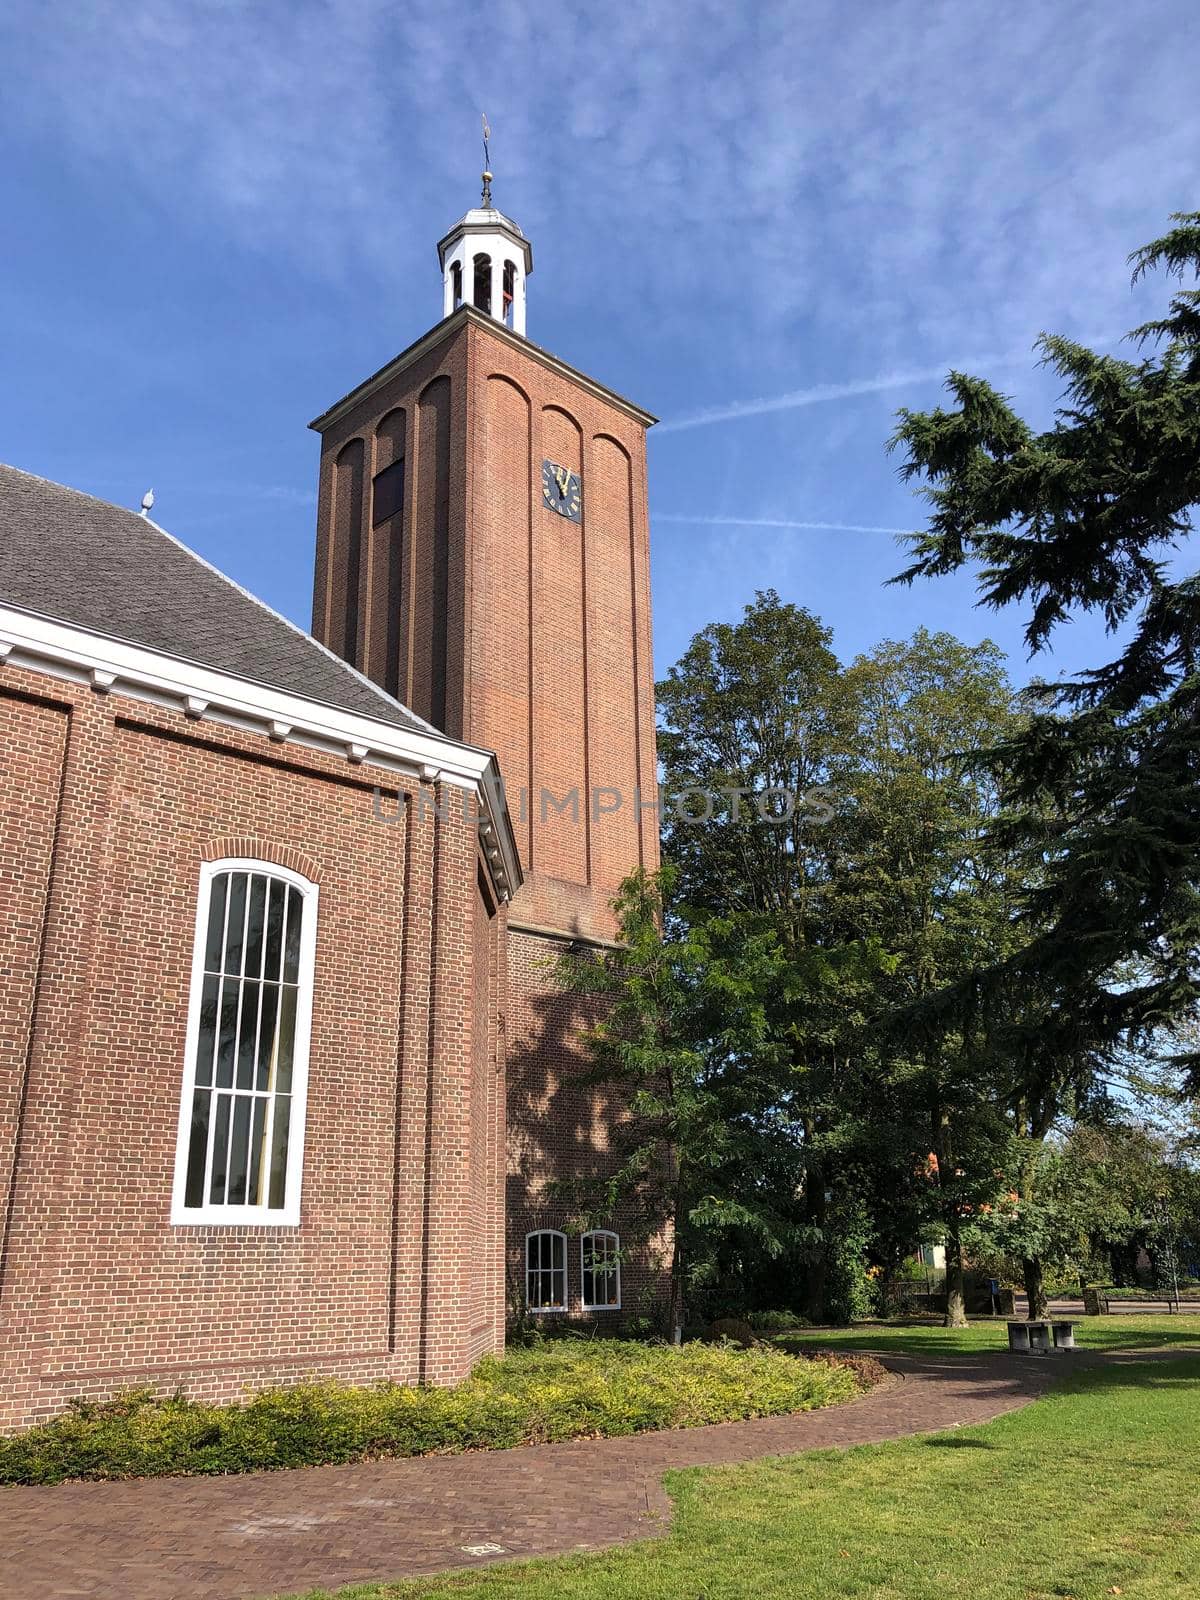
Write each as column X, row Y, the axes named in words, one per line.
column 485, row 260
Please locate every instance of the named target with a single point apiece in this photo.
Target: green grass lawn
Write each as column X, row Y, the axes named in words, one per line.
column 1090, row 1492
column 1129, row 1331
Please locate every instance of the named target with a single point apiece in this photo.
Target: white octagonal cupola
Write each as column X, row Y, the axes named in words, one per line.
column 485, row 260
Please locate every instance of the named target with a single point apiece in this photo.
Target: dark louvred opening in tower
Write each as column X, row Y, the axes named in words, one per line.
column 387, row 492
column 483, row 284
column 510, row 280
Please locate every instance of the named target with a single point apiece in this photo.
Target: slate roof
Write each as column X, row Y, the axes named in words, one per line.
column 82, row 561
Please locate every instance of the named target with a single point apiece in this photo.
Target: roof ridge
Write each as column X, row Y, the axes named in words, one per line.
column 346, row 666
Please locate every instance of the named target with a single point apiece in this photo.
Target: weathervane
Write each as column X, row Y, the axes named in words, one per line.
column 487, row 165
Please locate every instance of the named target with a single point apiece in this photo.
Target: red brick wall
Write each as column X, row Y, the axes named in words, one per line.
column 546, row 630
column 401, row 1195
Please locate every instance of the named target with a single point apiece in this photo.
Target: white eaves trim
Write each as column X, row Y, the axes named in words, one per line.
column 113, row 666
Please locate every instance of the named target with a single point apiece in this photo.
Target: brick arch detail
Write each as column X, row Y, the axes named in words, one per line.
column 510, row 383
column 610, row 438
column 251, row 849
column 561, row 411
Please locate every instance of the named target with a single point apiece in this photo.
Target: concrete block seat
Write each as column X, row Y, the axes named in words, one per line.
column 1036, row 1336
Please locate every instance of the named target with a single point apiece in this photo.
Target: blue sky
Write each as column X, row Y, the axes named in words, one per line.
column 771, row 225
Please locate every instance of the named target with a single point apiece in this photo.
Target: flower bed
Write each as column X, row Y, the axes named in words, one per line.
column 564, row 1390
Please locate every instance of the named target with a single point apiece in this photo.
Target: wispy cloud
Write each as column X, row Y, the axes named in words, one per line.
column 874, row 171
column 285, row 492
column 288, row 494
column 771, row 522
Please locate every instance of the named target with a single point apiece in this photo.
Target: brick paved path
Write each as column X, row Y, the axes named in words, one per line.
column 282, row 1533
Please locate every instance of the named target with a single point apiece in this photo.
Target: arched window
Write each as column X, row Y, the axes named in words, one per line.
column 510, row 281
column 482, row 295
column 600, row 1260
column 546, row 1270
column 241, row 1125
column 456, row 283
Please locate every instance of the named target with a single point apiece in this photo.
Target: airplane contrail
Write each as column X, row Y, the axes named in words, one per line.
column 817, row 395
column 820, row 393
column 774, row 522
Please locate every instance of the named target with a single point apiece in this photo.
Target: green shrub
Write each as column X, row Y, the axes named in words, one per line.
column 776, row 1321
column 560, row 1390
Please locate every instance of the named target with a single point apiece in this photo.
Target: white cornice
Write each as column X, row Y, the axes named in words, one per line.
column 487, row 221
column 113, row 666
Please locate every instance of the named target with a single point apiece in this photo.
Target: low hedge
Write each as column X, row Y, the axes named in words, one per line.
column 559, row 1391
column 1186, row 1292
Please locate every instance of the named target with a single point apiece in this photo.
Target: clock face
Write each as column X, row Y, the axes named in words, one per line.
column 561, row 490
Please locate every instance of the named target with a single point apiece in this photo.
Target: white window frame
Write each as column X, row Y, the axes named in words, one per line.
column 287, row 1215
column 555, row 1310
column 599, row 1233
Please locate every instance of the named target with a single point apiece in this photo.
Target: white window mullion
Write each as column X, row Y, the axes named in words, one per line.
column 241, row 988
column 213, row 1090
column 216, row 1051
column 264, row 1159
column 264, row 1155
column 229, row 1136
column 240, row 979
column 224, row 922
column 262, row 988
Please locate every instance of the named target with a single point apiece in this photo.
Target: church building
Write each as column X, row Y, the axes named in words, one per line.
column 286, row 1079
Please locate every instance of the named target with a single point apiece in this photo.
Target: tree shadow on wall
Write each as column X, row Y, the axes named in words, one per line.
column 563, row 1125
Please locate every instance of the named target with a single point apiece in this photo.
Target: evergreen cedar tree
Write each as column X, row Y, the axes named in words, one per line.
column 1106, row 772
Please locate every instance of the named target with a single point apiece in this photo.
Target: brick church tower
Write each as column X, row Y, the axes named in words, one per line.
column 483, row 553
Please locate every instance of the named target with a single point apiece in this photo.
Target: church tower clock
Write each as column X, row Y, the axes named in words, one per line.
column 483, row 554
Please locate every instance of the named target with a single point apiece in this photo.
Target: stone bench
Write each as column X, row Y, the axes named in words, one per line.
column 1037, row 1335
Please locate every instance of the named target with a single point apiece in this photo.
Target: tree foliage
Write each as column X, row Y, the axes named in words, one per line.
column 872, row 901
column 1086, row 517
column 914, row 925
